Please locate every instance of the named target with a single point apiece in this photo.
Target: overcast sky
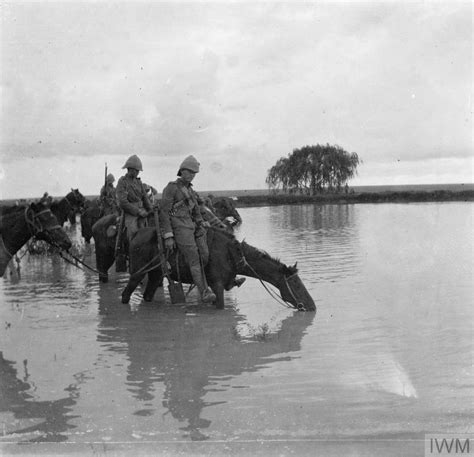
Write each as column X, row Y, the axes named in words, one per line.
column 237, row 85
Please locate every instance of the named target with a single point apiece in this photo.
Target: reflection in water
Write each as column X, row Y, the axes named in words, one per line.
column 188, row 354
column 50, row 418
column 324, row 239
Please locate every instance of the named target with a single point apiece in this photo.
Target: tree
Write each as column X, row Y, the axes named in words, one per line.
column 312, row 169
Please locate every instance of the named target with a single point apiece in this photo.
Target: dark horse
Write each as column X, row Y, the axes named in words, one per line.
column 67, row 208
column 224, row 207
column 227, row 258
column 19, row 223
column 91, row 214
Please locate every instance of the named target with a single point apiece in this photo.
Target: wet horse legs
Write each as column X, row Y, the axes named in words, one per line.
column 155, row 280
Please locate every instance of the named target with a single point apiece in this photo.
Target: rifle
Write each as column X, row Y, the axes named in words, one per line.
column 105, row 177
column 175, row 288
column 120, row 254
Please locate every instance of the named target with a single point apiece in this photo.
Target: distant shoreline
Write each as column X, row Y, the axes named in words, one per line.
column 363, row 197
column 356, row 194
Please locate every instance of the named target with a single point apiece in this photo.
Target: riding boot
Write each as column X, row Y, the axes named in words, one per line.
column 207, row 296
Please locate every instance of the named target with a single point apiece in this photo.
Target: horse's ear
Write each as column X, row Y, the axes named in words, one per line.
column 295, row 266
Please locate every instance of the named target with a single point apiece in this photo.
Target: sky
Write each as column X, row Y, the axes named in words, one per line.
column 238, row 85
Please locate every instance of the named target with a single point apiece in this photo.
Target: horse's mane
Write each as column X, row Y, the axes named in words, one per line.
column 259, row 253
column 256, row 253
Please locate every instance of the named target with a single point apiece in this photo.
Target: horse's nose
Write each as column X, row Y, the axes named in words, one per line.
column 301, row 307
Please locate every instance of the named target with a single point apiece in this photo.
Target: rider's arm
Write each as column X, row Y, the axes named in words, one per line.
column 167, row 200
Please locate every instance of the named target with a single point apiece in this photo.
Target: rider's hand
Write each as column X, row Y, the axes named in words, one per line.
column 205, row 224
column 142, row 212
column 169, row 243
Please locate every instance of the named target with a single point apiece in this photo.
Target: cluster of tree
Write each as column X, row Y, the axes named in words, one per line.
column 313, row 169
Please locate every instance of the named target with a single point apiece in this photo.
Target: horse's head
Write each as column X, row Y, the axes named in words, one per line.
column 44, row 225
column 225, row 208
column 76, row 199
column 293, row 290
column 259, row 264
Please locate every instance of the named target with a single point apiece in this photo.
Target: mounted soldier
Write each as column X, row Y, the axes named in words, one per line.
column 131, row 197
column 107, row 198
column 183, row 224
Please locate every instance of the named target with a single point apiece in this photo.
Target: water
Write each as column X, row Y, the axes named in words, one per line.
column 386, row 359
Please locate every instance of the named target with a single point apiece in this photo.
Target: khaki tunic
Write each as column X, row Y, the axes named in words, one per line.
column 131, row 197
column 107, row 199
column 181, row 217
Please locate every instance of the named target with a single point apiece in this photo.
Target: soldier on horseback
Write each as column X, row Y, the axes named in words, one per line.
column 184, row 225
column 107, row 198
column 132, row 198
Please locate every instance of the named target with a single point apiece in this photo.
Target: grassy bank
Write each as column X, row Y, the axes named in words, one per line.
column 362, row 197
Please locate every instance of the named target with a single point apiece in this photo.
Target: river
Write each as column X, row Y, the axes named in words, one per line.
column 386, row 360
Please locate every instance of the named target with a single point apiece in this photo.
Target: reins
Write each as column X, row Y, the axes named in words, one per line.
column 277, row 298
column 77, row 260
column 147, row 267
column 34, row 225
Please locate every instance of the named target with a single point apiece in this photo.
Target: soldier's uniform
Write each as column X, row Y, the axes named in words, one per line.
column 107, row 196
column 181, row 217
column 131, row 198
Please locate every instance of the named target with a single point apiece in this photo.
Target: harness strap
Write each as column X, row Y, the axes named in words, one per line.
column 4, row 248
column 271, row 293
column 33, row 222
column 300, row 305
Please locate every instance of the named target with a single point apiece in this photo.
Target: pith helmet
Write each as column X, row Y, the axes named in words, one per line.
column 133, row 162
column 110, row 178
column 189, row 163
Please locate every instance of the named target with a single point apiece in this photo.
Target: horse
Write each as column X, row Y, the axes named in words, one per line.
column 224, row 208
column 66, row 208
column 227, row 258
column 91, row 214
column 19, row 223
column 224, row 257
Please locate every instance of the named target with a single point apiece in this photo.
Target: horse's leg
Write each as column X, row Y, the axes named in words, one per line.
column 100, row 261
column 133, row 282
column 155, row 280
column 218, row 288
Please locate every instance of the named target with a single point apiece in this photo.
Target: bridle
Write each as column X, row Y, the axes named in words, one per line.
column 300, row 306
column 34, row 223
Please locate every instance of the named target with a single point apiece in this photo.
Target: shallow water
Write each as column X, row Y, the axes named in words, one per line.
column 386, row 359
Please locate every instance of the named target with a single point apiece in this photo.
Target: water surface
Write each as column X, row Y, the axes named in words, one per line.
column 386, row 359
